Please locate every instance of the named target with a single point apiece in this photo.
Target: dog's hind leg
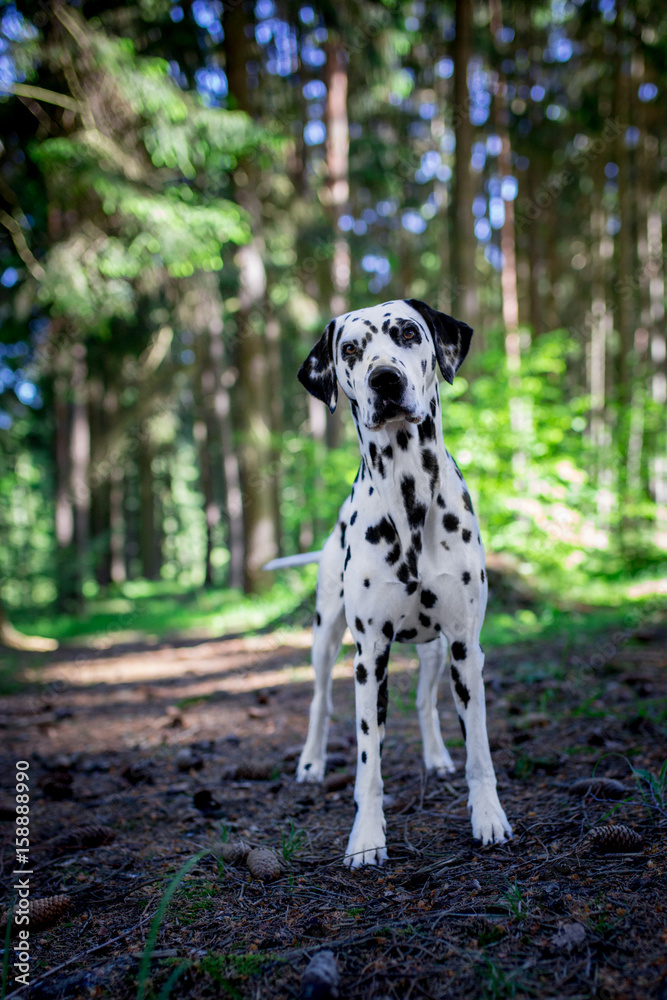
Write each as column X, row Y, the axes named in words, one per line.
column 432, row 660
column 328, row 629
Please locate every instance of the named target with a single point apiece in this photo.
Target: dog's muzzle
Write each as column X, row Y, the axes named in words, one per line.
column 390, row 385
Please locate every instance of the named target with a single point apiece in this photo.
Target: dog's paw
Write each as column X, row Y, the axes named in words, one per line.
column 310, row 771
column 366, row 846
column 440, row 766
column 489, row 822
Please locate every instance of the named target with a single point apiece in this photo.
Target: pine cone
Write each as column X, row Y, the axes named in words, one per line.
column 254, row 772
column 234, row 853
column 83, row 838
column 42, row 913
column 264, row 864
column 614, row 839
column 599, row 788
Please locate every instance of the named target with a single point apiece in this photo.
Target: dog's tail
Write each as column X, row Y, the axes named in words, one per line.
column 302, row 559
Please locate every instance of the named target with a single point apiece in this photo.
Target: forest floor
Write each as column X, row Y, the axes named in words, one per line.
column 147, row 756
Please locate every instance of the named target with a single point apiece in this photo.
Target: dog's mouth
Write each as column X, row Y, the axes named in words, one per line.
column 388, row 411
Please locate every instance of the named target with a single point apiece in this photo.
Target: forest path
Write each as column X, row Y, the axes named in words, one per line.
column 163, row 745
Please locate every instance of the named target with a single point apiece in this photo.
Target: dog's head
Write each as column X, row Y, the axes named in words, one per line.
column 384, row 358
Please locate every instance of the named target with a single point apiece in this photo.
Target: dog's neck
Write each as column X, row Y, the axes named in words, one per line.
column 403, row 459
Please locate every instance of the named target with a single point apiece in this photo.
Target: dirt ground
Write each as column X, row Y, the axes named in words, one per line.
column 142, row 758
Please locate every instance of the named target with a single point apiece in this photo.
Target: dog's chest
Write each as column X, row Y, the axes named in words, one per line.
column 413, row 546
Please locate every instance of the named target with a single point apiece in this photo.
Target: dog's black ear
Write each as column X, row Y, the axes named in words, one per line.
column 451, row 338
column 318, row 372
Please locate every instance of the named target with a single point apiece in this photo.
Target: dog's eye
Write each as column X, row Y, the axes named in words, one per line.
column 348, row 350
column 409, row 334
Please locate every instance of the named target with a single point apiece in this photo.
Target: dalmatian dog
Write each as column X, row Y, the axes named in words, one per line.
column 405, row 561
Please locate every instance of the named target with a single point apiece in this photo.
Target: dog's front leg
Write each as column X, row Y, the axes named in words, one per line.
column 367, row 843
column 489, row 823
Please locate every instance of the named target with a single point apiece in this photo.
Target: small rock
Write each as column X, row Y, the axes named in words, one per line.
column 336, row 782
column 188, row 760
column 321, row 979
column 569, row 936
column 205, row 803
column 137, row 773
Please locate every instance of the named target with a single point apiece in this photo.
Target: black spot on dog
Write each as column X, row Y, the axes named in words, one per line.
column 381, row 664
column 342, row 593
column 402, row 439
column 434, row 407
column 416, row 540
column 363, row 756
column 450, row 522
column 388, row 452
column 367, row 582
column 348, row 556
column 383, row 529
column 463, row 727
column 459, row 651
column 411, row 587
column 424, row 620
column 372, row 451
column 428, row 598
column 359, row 648
column 460, row 688
column 466, row 577
column 433, row 362
column 437, row 626
column 370, row 491
column 383, row 698
column 440, row 500
column 362, row 673
column 426, row 430
column 416, row 511
column 364, row 727
column 359, row 625
column 353, row 518
column 318, row 618
column 343, row 526
column 424, row 365
column 388, row 630
column 307, row 767
column 394, row 554
column 467, row 502
column 411, row 560
column 430, row 465
column 465, row 535
column 482, row 576
column 406, row 634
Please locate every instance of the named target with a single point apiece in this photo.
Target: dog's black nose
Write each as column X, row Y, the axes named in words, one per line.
column 387, row 381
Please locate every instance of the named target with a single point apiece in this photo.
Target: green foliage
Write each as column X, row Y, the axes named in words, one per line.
column 293, row 841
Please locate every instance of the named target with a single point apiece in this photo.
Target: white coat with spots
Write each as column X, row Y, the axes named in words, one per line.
column 405, row 561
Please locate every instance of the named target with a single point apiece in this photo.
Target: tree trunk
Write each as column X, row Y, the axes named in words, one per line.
column 337, row 194
column 149, row 546
column 624, row 294
column 463, row 233
column 100, row 487
column 80, row 465
column 117, row 526
column 520, row 418
column 253, row 415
